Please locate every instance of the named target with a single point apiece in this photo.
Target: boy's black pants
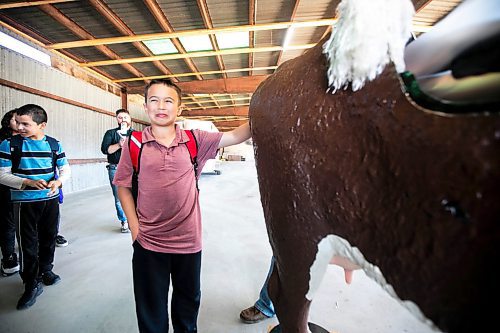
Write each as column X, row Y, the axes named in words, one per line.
column 36, row 226
column 152, row 272
column 7, row 226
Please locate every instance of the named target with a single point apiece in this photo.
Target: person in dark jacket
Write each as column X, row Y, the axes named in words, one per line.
column 112, row 147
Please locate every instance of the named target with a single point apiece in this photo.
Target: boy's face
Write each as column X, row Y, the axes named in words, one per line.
column 123, row 117
column 162, row 105
column 28, row 128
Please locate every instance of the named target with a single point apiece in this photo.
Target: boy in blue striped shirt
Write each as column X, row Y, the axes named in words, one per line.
column 35, row 194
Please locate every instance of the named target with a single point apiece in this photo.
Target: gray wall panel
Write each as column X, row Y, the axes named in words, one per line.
column 80, row 130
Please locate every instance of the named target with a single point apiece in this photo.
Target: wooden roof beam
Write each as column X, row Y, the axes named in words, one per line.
column 112, row 18
column 196, row 32
column 194, row 74
column 164, row 23
column 30, row 3
column 41, row 41
column 225, row 129
column 220, row 118
column 252, row 13
column 207, row 20
column 82, row 33
column 241, row 111
column 244, row 84
column 220, row 107
column 232, row 98
column 292, row 17
column 420, row 4
column 195, row 55
column 231, row 123
column 239, row 85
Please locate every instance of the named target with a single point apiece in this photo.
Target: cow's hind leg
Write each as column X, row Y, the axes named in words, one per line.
column 289, row 284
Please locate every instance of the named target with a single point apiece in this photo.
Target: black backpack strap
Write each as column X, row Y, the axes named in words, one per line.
column 16, row 147
column 54, row 147
column 16, row 151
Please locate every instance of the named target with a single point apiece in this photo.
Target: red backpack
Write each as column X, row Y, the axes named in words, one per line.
column 136, row 150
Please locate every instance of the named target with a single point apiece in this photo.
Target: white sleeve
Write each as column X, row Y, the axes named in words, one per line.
column 64, row 173
column 8, row 179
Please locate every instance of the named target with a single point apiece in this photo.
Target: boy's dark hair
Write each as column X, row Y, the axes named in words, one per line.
column 165, row 82
column 121, row 111
column 36, row 112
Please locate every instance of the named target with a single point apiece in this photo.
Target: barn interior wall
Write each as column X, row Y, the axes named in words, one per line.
column 79, row 129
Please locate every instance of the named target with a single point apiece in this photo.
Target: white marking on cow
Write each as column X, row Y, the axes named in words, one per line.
column 332, row 246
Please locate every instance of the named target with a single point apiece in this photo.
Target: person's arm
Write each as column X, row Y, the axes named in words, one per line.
column 63, row 171
column 107, row 145
column 128, row 205
column 19, row 183
column 6, row 176
column 117, row 146
column 238, row 135
column 123, row 183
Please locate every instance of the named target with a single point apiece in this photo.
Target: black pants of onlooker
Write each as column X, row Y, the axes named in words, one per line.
column 7, row 226
column 152, row 272
column 36, row 226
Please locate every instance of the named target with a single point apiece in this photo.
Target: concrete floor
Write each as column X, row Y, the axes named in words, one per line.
column 95, row 294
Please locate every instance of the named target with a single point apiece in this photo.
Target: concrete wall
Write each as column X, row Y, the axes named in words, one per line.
column 79, row 129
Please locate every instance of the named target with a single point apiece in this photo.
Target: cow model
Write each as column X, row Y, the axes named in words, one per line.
column 410, row 195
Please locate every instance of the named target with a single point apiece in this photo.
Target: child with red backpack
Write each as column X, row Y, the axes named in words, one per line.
column 166, row 222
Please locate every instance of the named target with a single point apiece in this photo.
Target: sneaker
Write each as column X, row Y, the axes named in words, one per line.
column 61, row 241
column 124, row 228
column 9, row 266
column 29, row 296
column 252, row 315
column 50, row 278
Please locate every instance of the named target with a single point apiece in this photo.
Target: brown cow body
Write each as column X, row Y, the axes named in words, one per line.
column 418, row 193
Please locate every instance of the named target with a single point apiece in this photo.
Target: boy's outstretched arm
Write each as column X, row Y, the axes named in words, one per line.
column 128, row 205
column 238, row 135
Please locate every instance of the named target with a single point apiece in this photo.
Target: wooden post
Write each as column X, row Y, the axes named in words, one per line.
column 124, row 95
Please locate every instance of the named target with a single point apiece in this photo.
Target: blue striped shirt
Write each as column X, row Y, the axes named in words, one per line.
column 36, row 163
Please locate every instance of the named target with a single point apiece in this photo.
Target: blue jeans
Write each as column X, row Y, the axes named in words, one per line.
column 264, row 303
column 119, row 211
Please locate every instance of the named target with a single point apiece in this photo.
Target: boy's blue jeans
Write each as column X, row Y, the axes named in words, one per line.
column 264, row 303
column 119, row 211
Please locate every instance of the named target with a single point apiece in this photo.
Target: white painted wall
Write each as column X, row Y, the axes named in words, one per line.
column 79, row 130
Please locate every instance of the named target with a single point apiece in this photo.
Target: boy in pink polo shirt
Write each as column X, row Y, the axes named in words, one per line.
column 166, row 224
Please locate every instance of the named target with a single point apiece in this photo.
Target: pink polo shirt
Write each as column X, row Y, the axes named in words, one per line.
column 167, row 203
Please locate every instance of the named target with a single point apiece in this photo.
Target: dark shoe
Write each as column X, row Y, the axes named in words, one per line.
column 29, row 296
column 124, row 229
column 9, row 266
column 252, row 315
column 61, row 241
column 49, row 278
